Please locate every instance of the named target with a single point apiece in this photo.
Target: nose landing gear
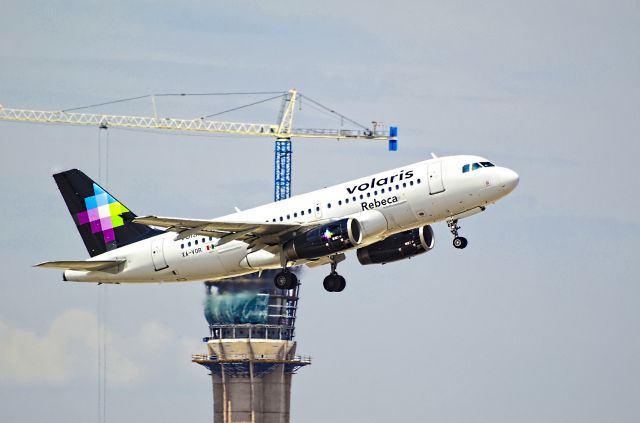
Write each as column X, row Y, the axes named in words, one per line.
column 458, row 241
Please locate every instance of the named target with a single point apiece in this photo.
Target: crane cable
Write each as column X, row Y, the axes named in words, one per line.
column 333, row 111
column 99, row 343
column 122, row 100
column 103, row 178
column 280, row 94
column 243, row 107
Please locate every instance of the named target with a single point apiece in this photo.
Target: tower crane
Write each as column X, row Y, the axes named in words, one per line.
column 283, row 131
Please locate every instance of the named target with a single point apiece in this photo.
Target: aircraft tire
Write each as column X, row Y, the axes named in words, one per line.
column 327, row 283
column 342, row 284
column 334, row 283
column 285, row 280
column 460, row 242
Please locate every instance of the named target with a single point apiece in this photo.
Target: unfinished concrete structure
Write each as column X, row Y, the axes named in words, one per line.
column 250, row 350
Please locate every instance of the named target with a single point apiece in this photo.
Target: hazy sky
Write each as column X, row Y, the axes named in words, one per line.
column 538, row 320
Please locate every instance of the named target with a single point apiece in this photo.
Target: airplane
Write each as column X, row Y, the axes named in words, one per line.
column 385, row 217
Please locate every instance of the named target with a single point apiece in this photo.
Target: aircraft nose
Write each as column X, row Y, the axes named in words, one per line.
column 510, row 179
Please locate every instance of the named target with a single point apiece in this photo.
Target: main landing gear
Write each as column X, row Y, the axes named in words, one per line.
column 458, row 241
column 334, row 282
column 285, row 279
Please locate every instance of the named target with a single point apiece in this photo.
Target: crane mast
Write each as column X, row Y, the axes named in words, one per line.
column 283, row 131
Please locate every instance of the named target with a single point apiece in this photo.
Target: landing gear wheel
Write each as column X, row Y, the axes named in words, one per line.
column 460, row 242
column 285, row 280
column 342, row 285
column 329, row 283
column 334, row 283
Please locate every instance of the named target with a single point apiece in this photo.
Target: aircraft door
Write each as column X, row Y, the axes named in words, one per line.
column 434, row 172
column 157, row 253
column 318, row 210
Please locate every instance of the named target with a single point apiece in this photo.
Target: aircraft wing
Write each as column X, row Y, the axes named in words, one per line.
column 262, row 232
column 81, row 264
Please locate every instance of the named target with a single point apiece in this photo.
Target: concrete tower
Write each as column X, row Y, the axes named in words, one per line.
column 250, row 349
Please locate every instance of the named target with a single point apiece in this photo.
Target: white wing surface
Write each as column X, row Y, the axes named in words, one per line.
column 266, row 233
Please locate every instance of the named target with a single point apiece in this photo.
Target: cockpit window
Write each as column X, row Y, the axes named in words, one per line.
column 475, row 166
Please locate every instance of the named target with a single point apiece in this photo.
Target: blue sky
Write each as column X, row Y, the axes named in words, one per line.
column 537, row 320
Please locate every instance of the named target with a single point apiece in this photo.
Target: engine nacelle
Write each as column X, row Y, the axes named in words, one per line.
column 261, row 259
column 330, row 238
column 398, row 246
column 372, row 223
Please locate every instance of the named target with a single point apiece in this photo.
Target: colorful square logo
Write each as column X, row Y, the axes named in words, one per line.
column 103, row 213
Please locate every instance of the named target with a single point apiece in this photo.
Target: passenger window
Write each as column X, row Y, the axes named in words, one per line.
column 368, row 194
column 281, row 219
column 346, row 201
column 354, row 198
column 288, row 216
column 302, row 213
column 328, row 205
column 361, row 196
column 382, row 191
column 339, row 202
column 397, row 186
column 411, row 183
column 404, row 185
column 309, row 211
column 418, row 180
column 465, row 168
column 295, row 215
column 475, row 166
column 181, row 245
column 196, row 242
column 318, row 208
column 189, row 243
column 375, row 192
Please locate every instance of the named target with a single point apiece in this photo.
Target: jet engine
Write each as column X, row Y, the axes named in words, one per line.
column 327, row 239
column 398, row 246
column 372, row 224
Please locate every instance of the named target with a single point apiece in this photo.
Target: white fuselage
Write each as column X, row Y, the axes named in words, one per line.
column 408, row 197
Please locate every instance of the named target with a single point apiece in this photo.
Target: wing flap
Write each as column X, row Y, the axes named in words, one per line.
column 88, row 265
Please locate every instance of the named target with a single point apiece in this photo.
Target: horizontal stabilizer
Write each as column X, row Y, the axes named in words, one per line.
column 87, row 265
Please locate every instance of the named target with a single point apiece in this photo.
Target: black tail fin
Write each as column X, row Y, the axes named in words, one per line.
column 103, row 222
